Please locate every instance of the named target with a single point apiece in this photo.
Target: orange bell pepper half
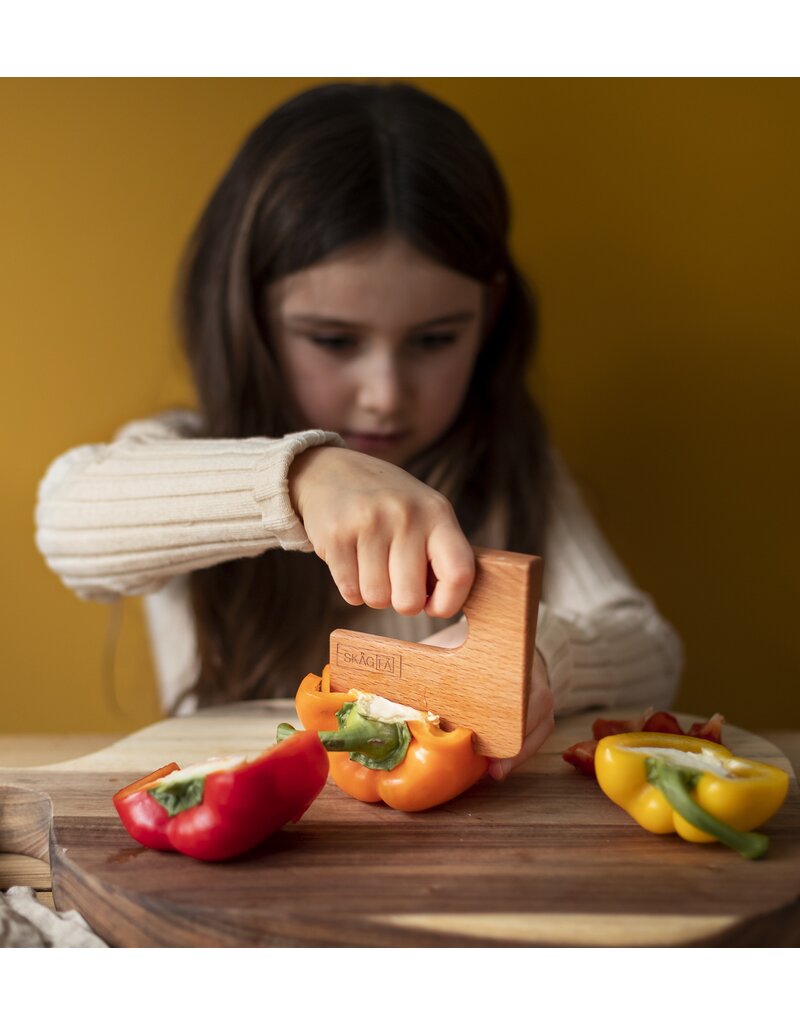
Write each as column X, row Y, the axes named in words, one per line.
column 438, row 765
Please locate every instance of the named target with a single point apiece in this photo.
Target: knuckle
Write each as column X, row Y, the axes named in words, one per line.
column 375, row 598
column 408, row 605
column 440, row 610
column 339, row 537
column 461, row 575
column 350, row 592
column 441, row 505
column 367, row 517
column 398, row 511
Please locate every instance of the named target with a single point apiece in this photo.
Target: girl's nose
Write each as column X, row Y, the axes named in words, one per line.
column 382, row 387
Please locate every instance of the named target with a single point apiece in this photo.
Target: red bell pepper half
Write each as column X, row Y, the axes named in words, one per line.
column 226, row 806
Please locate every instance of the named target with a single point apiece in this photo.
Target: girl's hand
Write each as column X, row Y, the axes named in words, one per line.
column 540, row 722
column 377, row 528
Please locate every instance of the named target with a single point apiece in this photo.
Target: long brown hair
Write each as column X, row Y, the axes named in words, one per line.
column 337, row 165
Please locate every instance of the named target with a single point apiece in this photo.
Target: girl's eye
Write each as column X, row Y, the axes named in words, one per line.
column 333, row 342
column 432, row 342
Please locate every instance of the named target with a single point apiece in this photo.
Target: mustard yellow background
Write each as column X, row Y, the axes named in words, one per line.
column 658, row 220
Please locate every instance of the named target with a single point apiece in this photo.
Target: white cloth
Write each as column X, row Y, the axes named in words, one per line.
column 24, row 921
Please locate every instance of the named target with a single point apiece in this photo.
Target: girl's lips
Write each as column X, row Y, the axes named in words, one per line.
column 374, row 441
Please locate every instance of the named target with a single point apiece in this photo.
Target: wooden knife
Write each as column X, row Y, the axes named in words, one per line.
column 483, row 684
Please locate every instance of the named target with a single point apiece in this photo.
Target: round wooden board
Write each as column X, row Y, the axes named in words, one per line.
column 543, row 858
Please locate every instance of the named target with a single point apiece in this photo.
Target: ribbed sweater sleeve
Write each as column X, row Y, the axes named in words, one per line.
column 123, row 518
column 602, row 639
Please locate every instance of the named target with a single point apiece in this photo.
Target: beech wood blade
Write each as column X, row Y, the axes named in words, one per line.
column 483, row 684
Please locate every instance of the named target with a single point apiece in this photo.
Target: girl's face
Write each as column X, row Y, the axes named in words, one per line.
column 378, row 344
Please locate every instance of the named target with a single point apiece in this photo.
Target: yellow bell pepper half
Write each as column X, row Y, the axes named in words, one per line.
column 691, row 786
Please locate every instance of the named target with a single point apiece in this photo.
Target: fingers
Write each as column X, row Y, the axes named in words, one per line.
column 379, row 573
column 343, row 566
column 373, row 571
column 378, row 527
column 393, row 571
column 453, row 564
column 408, row 563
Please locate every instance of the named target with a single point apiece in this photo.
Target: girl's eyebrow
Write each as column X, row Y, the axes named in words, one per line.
column 309, row 319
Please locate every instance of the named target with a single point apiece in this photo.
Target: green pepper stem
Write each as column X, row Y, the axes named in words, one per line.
column 370, row 742
column 676, row 785
column 359, row 735
column 176, row 797
column 375, row 744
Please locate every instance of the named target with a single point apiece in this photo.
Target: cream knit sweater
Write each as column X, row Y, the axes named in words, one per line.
column 139, row 514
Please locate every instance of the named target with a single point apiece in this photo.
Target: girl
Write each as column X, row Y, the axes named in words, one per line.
column 359, row 336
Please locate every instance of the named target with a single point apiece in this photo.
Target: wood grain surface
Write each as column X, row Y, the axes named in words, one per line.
column 540, row 859
column 481, row 685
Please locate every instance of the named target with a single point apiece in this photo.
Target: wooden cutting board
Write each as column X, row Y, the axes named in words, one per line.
column 540, row 859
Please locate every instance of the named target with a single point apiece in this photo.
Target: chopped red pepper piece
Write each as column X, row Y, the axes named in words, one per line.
column 710, row 730
column 581, row 755
column 222, row 808
column 613, row 727
column 663, row 721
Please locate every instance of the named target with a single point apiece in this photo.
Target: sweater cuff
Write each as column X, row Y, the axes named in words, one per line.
column 271, row 490
column 552, row 642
